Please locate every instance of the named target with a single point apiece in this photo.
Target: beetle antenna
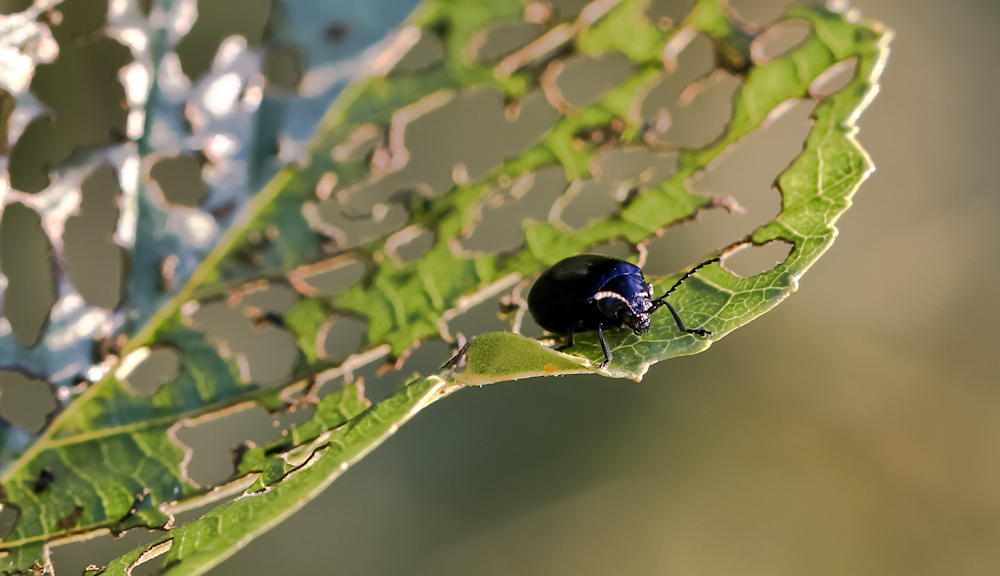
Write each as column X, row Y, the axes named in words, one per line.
column 661, row 300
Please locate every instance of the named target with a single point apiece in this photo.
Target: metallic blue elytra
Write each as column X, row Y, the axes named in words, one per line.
column 592, row 292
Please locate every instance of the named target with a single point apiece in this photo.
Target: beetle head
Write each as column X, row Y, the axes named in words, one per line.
column 627, row 300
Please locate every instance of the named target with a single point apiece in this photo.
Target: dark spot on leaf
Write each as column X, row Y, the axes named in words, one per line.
column 71, row 520
column 279, row 448
column 45, row 478
column 117, row 136
column 224, row 210
column 337, row 32
column 239, row 452
column 268, row 319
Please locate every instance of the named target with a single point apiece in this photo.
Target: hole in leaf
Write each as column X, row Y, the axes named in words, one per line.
column 424, row 358
column 483, row 317
column 152, row 369
column 696, row 60
column 8, row 517
column 362, row 142
column 343, row 337
column 212, row 442
column 623, row 172
column 584, row 80
column 750, row 260
column 218, row 20
column 593, row 200
column 74, row 558
column 8, row 7
column 25, row 402
column 687, row 244
column 757, row 11
column 26, row 260
column 7, row 105
column 747, row 170
column 28, row 166
column 834, row 78
column 779, row 39
column 267, row 298
column 81, row 92
column 615, row 249
column 265, row 354
column 704, row 119
column 95, row 263
column 567, row 8
column 425, row 52
column 283, row 67
column 505, row 39
column 179, row 177
column 746, row 174
column 472, row 130
column 502, row 225
column 668, row 13
column 467, row 137
column 328, row 277
column 415, row 248
column 356, row 226
column 638, row 164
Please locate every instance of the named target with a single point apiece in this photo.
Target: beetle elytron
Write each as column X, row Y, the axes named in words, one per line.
column 592, row 292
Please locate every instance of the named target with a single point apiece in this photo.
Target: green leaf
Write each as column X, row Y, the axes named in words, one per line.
column 501, row 356
column 199, row 545
column 112, row 450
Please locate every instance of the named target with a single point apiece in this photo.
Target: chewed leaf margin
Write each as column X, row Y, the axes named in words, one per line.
column 816, row 190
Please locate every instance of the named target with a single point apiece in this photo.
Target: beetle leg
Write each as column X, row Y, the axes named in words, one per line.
column 458, row 358
column 569, row 341
column 680, row 323
column 604, row 346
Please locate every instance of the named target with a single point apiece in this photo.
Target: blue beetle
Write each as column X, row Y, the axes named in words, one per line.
column 592, row 292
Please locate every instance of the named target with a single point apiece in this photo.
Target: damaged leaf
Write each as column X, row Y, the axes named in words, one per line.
column 351, row 197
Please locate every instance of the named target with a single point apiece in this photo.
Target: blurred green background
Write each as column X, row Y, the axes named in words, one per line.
column 854, row 430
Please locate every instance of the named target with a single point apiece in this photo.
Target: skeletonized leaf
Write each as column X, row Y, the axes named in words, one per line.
column 310, row 209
